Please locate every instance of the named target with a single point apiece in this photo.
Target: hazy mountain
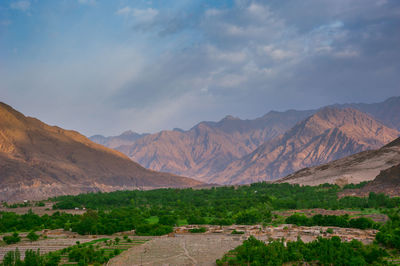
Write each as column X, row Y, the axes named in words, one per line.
column 363, row 166
column 38, row 161
column 209, row 146
column 329, row 134
column 126, row 138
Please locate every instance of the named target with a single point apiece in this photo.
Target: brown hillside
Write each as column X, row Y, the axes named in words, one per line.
column 38, row 161
column 363, row 166
column 388, row 182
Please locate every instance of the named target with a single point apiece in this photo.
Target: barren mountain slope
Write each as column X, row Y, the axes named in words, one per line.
column 363, row 166
column 209, row 146
column 328, row 135
column 388, row 182
column 38, row 161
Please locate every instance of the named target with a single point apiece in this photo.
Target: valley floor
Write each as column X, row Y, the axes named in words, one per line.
column 203, row 249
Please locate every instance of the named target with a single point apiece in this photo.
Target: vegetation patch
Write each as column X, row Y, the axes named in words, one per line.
column 321, row 252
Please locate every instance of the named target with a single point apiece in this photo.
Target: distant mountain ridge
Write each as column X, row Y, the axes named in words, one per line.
column 208, row 149
column 38, row 161
column 126, row 138
column 329, row 134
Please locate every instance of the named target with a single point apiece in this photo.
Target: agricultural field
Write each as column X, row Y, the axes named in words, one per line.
column 72, row 248
column 206, row 248
column 185, row 249
column 197, row 227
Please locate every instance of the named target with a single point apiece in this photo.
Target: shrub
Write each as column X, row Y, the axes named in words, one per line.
column 198, row 230
column 32, row 236
column 12, row 239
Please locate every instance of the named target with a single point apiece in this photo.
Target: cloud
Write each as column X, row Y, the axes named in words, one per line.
column 21, row 5
column 257, row 57
column 139, row 15
column 180, row 65
column 144, row 15
column 124, row 11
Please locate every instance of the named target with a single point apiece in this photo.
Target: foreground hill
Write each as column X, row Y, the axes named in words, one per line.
column 388, row 182
column 209, row 146
column 329, row 134
column 364, row 166
column 38, row 161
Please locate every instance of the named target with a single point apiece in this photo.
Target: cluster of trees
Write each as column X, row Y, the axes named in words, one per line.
column 198, row 230
column 32, row 258
column 321, row 251
column 12, row 239
column 24, row 204
column 10, row 221
column 389, row 234
column 219, row 201
column 118, row 211
column 355, row 186
column 15, row 238
column 87, row 254
column 153, row 229
column 332, row 220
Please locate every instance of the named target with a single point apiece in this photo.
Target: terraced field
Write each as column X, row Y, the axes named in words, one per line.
column 44, row 245
column 179, row 250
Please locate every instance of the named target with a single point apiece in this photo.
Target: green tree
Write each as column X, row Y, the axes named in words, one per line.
column 32, row 236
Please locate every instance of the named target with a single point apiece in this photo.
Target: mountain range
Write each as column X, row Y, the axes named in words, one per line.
column 38, row 161
column 327, row 135
column 236, row 151
column 209, row 146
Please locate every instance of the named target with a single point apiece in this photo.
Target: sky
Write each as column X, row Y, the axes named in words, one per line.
column 103, row 67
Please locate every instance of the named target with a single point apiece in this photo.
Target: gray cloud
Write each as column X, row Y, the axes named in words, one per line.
column 243, row 60
column 305, row 54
